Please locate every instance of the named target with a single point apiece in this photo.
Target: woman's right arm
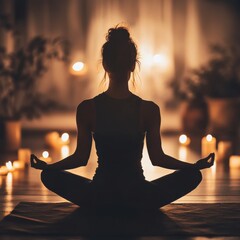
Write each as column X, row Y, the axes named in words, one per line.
column 154, row 145
column 84, row 143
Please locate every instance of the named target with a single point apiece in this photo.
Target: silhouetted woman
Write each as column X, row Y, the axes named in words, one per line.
column 119, row 121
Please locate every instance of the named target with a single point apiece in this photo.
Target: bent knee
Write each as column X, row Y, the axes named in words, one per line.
column 48, row 176
column 193, row 175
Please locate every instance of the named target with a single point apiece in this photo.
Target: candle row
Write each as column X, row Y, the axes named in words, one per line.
column 209, row 144
column 23, row 160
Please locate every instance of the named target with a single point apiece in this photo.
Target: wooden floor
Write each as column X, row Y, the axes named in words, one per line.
column 221, row 183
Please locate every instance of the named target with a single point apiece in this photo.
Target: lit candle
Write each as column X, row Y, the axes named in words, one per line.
column 52, row 139
column 184, row 140
column 45, row 157
column 24, row 156
column 234, row 161
column 224, row 150
column 65, row 138
column 9, row 166
column 208, row 145
column 18, row 164
column 3, row 171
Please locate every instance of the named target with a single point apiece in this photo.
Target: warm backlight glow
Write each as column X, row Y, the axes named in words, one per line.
column 78, row 66
column 209, row 137
column 161, row 59
column 65, row 137
column 45, row 154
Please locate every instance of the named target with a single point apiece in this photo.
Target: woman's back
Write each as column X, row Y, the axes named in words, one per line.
column 118, row 137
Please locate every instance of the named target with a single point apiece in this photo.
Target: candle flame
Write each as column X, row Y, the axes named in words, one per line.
column 45, row 154
column 183, row 139
column 65, row 137
column 78, row 66
column 209, row 137
column 9, row 165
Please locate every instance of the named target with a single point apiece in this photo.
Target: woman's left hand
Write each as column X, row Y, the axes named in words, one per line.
column 37, row 163
column 206, row 162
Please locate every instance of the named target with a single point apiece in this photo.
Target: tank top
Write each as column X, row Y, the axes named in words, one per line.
column 118, row 139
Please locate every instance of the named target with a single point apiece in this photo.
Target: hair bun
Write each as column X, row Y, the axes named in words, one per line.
column 118, row 34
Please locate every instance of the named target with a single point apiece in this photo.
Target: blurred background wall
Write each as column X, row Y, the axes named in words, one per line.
column 172, row 36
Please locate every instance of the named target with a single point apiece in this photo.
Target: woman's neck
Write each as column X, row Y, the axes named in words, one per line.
column 118, row 86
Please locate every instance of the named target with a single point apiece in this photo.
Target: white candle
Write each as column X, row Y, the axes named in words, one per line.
column 3, row 171
column 234, row 161
column 45, row 157
column 184, row 140
column 24, row 155
column 224, row 150
column 208, row 145
column 9, row 166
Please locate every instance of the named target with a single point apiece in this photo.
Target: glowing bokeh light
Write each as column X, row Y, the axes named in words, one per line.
column 78, row 66
column 65, row 137
column 161, row 60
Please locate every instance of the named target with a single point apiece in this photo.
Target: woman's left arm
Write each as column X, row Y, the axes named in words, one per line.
column 84, row 143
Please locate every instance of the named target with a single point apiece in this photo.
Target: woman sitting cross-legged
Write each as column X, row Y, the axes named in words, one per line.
column 119, row 121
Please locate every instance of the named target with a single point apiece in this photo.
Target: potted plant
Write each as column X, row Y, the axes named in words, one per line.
column 218, row 81
column 20, row 74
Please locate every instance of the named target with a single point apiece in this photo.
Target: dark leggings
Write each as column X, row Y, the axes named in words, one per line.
column 154, row 194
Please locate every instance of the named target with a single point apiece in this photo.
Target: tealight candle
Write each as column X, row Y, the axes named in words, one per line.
column 208, row 145
column 9, row 166
column 184, row 140
column 234, row 161
column 3, row 171
column 45, row 157
column 224, row 150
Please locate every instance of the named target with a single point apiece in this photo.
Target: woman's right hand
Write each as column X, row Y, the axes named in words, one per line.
column 37, row 163
column 206, row 162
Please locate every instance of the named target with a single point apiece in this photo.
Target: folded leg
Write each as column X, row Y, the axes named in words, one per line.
column 176, row 185
column 72, row 187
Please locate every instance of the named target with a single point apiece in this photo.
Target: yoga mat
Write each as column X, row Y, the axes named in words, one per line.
column 66, row 219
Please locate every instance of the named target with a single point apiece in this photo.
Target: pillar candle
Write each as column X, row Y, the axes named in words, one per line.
column 208, row 145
